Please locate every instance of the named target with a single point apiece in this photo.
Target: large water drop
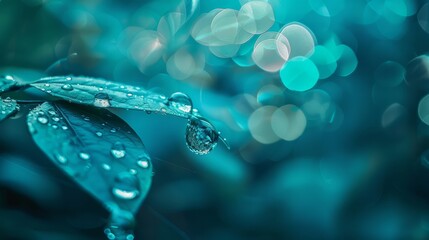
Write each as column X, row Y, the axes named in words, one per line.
column 126, row 186
column 118, row 150
column 201, row 136
column 102, row 100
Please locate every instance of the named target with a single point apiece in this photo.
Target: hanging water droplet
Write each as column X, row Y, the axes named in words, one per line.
column 67, row 87
column 143, row 162
column 102, row 100
column 121, row 225
column 99, row 134
column 42, row 119
column 84, row 156
column 201, row 136
column 61, row 159
column 126, row 186
column 180, row 101
column 118, row 150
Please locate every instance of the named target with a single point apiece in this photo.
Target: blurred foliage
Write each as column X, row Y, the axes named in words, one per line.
column 342, row 156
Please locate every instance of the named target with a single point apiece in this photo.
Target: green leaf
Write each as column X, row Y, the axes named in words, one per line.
column 8, row 107
column 97, row 149
column 7, row 82
column 102, row 93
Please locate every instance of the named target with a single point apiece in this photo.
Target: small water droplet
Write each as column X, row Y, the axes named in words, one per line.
column 106, row 166
column 129, row 94
column 51, row 112
column 47, row 85
column 126, row 186
column 118, row 150
column 99, row 134
column 7, row 100
column 8, row 77
column 68, row 78
column 143, row 163
column 100, row 89
column 201, row 136
column 67, row 87
column 56, row 119
column 180, row 101
column 64, row 127
column 86, row 118
column 42, row 119
column 3, row 112
column 133, row 171
column 113, row 130
column 54, row 126
column 84, row 156
column 122, row 87
column 102, row 100
column 61, row 159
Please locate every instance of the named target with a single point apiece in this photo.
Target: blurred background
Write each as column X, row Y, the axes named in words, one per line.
column 324, row 102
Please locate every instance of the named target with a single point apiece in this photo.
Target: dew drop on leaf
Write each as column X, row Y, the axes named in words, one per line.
column 143, row 162
column 61, row 159
column 181, row 102
column 106, row 166
column 102, row 100
column 201, row 136
column 118, row 150
column 126, row 186
column 42, row 120
column 84, row 156
column 67, row 87
column 99, row 134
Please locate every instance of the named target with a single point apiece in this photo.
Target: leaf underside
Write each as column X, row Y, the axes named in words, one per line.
column 68, row 134
column 7, row 108
column 84, row 90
